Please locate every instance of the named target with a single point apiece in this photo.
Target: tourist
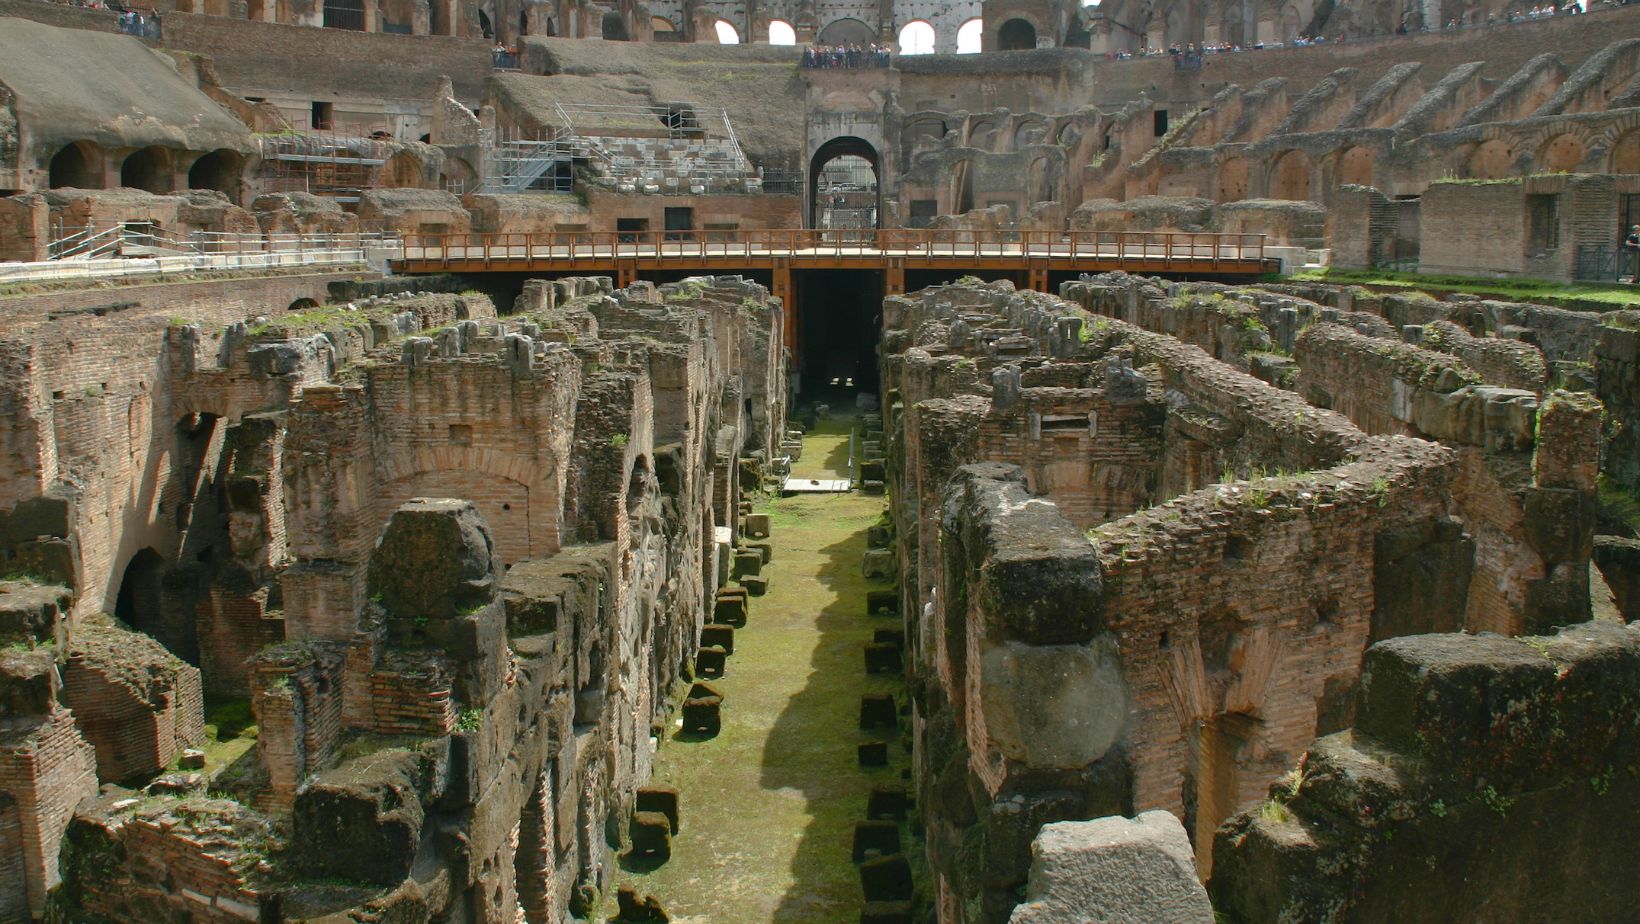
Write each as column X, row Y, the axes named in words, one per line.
column 1631, row 244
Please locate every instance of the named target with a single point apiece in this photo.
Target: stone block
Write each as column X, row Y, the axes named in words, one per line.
column 730, row 609
column 871, row 470
column 887, row 801
column 373, row 807
column 191, row 759
column 872, row 753
column 631, row 909
column 886, row 878
column 747, row 563
column 872, row 487
column 702, row 710
column 879, row 837
column 756, row 526
column 651, row 836
column 877, row 710
column 879, row 536
column 878, row 563
column 766, row 549
column 882, row 659
column 1121, row 870
column 755, row 585
column 663, row 799
column 883, row 602
column 718, row 636
column 710, row 662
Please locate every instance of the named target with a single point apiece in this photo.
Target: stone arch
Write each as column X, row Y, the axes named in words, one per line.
column 302, row 304
column 512, row 493
column 782, row 32
column 1029, row 131
column 218, row 170
column 1625, row 152
column 917, row 38
column 149, row 168
column 1233, row 179
column 846, row 31
column 1232, row 24
column 1016, row 35
column 402, row 171
column 660, row 24
column 613, row 27
column 1355, row 166
column 726, row 32
column 843, row 146
column 1493, row 159
column 1290, row 24
column 971, row 36
column 1563, row 153
column 77, row 166
column 1290, row 176
column 982, row 133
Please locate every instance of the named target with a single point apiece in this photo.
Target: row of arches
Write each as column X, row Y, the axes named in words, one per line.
column 84, row 165
column 918, row 37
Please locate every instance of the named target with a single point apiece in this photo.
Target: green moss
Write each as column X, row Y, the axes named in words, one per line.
column 1530, row 290
column 773, row 798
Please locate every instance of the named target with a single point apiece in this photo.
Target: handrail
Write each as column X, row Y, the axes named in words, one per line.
column 1196, row 250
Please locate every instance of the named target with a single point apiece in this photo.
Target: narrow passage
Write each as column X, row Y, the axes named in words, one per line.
column 768, row 806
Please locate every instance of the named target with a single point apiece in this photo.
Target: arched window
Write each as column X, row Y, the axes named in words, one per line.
column 917, row 38
column 726, row 34
column 970, row 36
column 782, row 33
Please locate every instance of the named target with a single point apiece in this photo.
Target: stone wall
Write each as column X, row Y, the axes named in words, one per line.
column 1484, row 776
column 1219, row 613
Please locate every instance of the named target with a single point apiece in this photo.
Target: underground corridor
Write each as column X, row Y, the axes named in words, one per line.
column 769, row 806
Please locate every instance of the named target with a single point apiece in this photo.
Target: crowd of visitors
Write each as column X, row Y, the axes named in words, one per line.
column 1189, row 56
column 843, row 56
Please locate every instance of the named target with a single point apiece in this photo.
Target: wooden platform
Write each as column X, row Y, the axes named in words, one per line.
column 628, row 255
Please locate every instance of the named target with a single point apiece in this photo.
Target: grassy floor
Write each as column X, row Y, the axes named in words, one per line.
column 230, row 731
column 768, row 806
column 1525, row 290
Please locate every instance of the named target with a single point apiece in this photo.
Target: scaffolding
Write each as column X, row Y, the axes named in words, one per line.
column 334, row 165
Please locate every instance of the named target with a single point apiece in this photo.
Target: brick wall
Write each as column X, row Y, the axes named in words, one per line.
column 47, row 768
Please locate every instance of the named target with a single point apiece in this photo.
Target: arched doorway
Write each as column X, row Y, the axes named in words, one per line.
column 848, row 195
column 139, row 602
column 846, row 32
column 218, row 170
column 727, row 34
column 1016, row 35
column 149, row 169
column 971, row 37
column 76, row 166
column 782, row 33
column 614, row 28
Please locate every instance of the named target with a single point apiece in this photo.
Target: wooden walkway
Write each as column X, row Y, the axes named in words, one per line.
column 628, row 255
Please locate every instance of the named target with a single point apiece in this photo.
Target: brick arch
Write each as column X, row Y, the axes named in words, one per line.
column 1562, row 153
column 1355, row 166
column 513, row 493
column 1492, row 159
column 1291, row 175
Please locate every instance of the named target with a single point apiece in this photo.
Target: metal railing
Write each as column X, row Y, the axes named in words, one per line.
column 140, row 240
column 1200, row 251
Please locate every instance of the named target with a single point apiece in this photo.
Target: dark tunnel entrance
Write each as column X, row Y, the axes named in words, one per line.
column 839, row 317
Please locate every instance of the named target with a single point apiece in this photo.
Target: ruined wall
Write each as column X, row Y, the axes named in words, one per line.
column 1221, row 629
column 1375, row 825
